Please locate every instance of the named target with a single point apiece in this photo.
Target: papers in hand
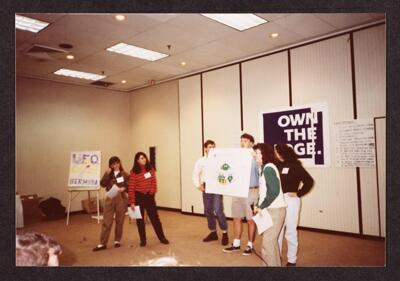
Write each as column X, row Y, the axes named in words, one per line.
column 263, row 220
column 112, row 192
column 134, row 214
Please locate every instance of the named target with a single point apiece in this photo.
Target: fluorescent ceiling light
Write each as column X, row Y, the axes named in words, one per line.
column 29, row 24
column 238, row 21
column 79, row 74
column 136, row 52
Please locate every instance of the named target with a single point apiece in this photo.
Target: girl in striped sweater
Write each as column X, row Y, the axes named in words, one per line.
column 142, row 190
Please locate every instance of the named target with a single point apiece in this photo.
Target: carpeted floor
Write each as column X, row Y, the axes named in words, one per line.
column 185, row 233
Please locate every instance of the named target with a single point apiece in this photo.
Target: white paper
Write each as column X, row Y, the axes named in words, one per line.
column 147, row 175
column 134, row 214
column 285, row 170
column 227, row 171
column 263, row 221
column 112, row 192
column 355, row 143
column 120, row 179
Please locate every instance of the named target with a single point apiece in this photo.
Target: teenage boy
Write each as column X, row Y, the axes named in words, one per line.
column 213, row 203
column 243, row 207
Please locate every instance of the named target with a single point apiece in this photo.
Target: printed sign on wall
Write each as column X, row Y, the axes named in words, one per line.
column 84, row 169
column 305, row 128
column 355, row 143
column 228, row 171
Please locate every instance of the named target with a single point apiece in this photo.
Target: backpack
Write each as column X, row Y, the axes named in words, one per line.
column 52, row 208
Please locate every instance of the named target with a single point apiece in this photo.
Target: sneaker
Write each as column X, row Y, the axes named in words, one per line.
column 290, row 264
column 211, row 237
column 164, row 241
column 247, row 251
column 99, row 248
column 142, row 243
column 231, row 249
column 117, row 244
column 225, row 239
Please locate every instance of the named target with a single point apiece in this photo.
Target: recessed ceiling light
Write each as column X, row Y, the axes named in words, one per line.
column 123, row 81
column 79, row 74
column 120, row 17
column 274, row 35
column 29, row 24
column 70, row 57
column 183, row 63
column 136, row 52
column 238, row 21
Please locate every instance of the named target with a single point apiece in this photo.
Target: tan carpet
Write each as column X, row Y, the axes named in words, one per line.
column 185, row 234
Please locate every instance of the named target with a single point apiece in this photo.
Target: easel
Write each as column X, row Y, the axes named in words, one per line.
column 80, row 189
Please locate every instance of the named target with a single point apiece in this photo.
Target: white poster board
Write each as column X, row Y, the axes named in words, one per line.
column 355, row 143
column 84, row 169
column 227, row 171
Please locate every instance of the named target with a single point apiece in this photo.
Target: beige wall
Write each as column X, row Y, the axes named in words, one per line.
column 53, row 119
column 154, row 121
column 320, row 72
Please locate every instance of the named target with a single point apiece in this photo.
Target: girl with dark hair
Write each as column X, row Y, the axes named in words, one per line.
column 142, row 189
column 115, row 175
column 271, row 198
column 292, row 174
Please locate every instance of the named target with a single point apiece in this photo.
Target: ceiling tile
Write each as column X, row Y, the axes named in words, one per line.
column 271, row 17
column 110, row 63
column 306, row 25
column 201, row 26
column 347, row 20
column 31, row 66
column 158, row 38
column 377, row 16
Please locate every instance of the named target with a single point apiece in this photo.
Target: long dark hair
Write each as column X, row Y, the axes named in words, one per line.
column 287, row 153
column 267, row 152
column 136, row 167
column 113, row 160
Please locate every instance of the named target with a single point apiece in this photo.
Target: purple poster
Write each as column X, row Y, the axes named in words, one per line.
column 305, row 128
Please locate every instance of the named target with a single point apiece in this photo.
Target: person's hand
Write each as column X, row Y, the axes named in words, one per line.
column 201, row 188
column 121, row 189
column 133, row 206
column 108, row 171
column 256, row 210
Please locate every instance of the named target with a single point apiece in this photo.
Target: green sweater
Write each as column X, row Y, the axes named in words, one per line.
column 273, row 187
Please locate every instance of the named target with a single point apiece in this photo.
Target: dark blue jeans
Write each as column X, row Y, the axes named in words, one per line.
column 213, row 204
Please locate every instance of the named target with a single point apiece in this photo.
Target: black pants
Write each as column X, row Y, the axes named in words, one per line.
column 146, row 201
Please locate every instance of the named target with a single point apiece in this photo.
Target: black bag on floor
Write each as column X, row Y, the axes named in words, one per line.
column 52, row 208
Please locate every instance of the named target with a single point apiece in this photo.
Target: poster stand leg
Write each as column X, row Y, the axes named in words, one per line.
column 69, row 206
column 98, row 207
column 98, row 217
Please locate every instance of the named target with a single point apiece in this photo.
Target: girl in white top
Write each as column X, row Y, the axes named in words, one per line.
column 271, row 198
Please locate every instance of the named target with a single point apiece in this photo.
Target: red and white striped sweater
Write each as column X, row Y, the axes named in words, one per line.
column 139, row 183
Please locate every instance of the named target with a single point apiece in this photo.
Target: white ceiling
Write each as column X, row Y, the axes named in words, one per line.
column 200, row 42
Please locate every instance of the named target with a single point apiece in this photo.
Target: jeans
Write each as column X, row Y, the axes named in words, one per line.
column 213, row 206
column 147, row 202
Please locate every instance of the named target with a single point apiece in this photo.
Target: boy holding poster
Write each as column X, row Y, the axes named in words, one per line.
column 243, row 207
column 212, row 202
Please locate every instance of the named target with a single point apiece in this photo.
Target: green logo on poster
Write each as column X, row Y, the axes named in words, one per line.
column 224, row 176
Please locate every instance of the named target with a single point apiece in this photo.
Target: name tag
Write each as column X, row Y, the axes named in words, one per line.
column 120, row 179
column 285, row 170
column 147, row 175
